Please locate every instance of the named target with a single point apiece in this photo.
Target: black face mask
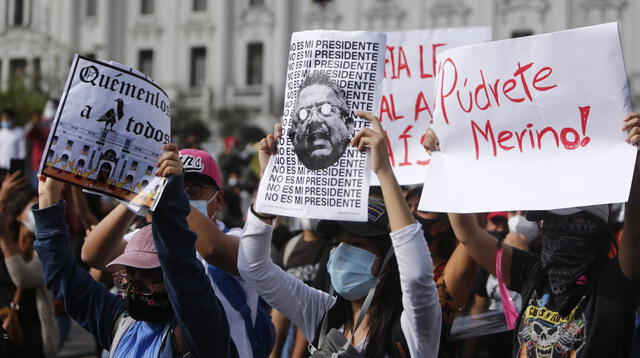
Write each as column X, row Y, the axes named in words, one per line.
column 500, row 235
column 426, row 226
column 153, row 308
column 568, row 250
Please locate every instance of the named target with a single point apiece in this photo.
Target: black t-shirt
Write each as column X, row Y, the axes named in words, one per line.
column 600, row 325
column 307, row 259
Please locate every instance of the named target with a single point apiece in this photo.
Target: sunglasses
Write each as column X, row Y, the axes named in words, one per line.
column 324, row 109
column 145, row 286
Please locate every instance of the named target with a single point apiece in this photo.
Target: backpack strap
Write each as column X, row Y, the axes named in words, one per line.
column 122, row 325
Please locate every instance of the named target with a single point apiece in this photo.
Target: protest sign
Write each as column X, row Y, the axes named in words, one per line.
column 316, row 172
column 108, row 132
column 531, row 123
column 407, row 102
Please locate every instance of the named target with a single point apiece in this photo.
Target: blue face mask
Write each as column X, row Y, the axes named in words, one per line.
column 6, row 124
column 202, row 205
column 350, row 271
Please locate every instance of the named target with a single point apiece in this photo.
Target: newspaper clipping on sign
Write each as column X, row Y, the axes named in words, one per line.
column 108, row 133
column 408, row 101
column 316, row 172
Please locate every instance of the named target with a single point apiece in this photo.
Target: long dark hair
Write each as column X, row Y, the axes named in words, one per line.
column 385, row 309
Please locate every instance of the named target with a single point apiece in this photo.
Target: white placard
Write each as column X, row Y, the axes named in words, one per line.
column 108, row 132
column 407, row 102
column 316, row 172
column 532, row 123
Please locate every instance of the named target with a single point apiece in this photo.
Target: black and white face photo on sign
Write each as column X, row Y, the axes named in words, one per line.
column 320, row 125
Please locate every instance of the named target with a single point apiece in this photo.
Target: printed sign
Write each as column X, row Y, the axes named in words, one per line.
column 407, row 102
column 532, row 123
column 316, row 172
column 108, row 132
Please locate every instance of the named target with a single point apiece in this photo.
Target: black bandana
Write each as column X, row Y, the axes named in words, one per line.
column 153, row 308
column 568, row 250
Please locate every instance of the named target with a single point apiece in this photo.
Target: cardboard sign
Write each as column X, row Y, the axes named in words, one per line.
column 531, row 123
column 407, row 102
column 108, row 132
column 316, row 172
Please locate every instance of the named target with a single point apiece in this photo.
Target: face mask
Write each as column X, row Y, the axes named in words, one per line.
column 203, row 205
column 153, row 308
column 350, row 271
column 233, row 181
column 30, row 223
column 568, row 250
column 426, row 226
column 520, row 225
column 498, row 234
column 309, row 224
column 5, row 124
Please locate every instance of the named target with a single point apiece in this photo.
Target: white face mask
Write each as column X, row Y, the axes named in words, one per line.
column 30, row 223
column 309, row 224
column 520, row 225
column 203, row 205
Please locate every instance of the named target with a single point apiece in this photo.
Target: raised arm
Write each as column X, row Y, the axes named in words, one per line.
column 421, row 319
column 479, row 243
column 104, row 242
column 86, row 301
column 630, row 244
column 459, row 276
column 199, row 313
column 217, row 248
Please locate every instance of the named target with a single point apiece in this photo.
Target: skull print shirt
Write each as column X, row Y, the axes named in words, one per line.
column 600, row 324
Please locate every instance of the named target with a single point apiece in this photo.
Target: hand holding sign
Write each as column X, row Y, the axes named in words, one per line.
column 169, row 163
column 375, row 139
column 268, row 146
column 632, row 126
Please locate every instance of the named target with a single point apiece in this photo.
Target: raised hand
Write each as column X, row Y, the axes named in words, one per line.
column 431, row 143
column 375, row 139
column 268, row 147
column 169, row 163
column 632, row 127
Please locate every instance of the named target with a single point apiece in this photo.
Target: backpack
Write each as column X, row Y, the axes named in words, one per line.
column 261, row 334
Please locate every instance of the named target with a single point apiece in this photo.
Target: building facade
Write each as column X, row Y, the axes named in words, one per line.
column 215, row 54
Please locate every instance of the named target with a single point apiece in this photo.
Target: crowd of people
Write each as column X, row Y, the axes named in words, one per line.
column 200, row 277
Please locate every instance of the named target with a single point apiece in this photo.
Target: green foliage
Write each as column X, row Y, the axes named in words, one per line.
column 23, row 100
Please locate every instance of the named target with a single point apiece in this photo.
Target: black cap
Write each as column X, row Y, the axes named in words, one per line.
column 377, row 224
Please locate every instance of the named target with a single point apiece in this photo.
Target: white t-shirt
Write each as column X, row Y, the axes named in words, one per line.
column 305, row 306
column 12, row 145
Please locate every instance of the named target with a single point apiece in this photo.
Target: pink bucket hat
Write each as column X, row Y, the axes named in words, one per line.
column 198, row 162
column 140, row 251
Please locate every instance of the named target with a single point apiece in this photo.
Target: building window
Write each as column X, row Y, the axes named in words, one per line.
column 69, row 145
column 145, row 62
column 521, row 33
column 92, row 8
column 134, row 165
column 18, row 12
column 17, row 70
column 198, row 65
column 256, row 2
column 148, row 171
column 85, row 150
column 146, row 7
column 199, row 5
column 254, row 63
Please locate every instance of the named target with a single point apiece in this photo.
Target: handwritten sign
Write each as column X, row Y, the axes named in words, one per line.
column 316, row 172
column 108, row 132
column 407, row 102
column 531, row 123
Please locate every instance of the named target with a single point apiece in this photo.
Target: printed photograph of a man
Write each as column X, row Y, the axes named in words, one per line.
column 320, row 124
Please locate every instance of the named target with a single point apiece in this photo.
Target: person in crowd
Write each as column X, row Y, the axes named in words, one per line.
column 386, row 303
column 577, row 300
column 29, row 298
column 305, row 256
column 454, row 270
column 166, row 306
column 320, row 124
column 12, row 139
column 37, row 132
column 216, row 245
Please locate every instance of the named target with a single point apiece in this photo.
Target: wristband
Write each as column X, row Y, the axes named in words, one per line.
column 259, row 216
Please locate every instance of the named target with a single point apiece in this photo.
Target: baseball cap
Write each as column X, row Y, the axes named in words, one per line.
column 199, row 163
column 376, row 225
column 140, row 251
column 498, row 215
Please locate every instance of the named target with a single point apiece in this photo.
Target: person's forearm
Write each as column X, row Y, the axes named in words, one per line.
column 459, row 275
column 105, row 242
column 217, row 248
column 397, row 208
column 630, row 243
column 465, row 226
